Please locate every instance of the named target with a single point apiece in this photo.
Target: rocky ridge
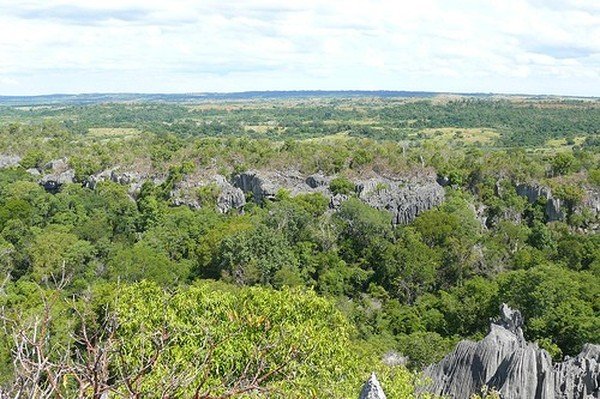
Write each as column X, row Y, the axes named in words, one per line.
column 555, row 207
column 505, row 361
column 534, row 192
column 404, row 199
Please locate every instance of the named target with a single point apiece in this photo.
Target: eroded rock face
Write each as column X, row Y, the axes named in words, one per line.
column 228, row 197
column 56, row 173
column 372, row 389
column 579, row 377
column 591, row 201
column 264, row 185
column 403, row 199
column 533, row 192
column 516, row 368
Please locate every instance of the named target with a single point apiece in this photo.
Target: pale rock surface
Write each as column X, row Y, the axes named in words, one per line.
column 372, row 389
column 8, row 161
column 517, row 369
column 405, row 200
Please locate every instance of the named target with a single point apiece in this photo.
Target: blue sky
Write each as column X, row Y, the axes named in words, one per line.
column 502, row 46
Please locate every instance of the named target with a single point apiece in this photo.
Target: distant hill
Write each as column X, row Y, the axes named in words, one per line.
column 94, row 98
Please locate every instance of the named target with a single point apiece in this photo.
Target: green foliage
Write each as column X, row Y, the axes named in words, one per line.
column 208, row 194
column 304, row 333
column 415, row 289
column 141, row 261
column 563, row 163
column 257, row 256
column 341, row 185
column 55, row 251
column 424, row 348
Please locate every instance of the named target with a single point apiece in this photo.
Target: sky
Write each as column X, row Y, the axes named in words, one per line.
column 185, row 46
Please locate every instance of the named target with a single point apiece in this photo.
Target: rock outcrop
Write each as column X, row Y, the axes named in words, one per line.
column 404, row 199
column 263, row 185
column 534, row 192
column 226, row 196
column 579, row 377
column 56, row 173
column 517, row 369
column 8, row 161
column 372, row 389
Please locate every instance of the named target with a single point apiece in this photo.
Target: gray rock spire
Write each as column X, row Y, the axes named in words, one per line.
column 517, row 369
column 372, row 389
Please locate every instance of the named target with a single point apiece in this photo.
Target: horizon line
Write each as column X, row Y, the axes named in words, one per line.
column 292, row 91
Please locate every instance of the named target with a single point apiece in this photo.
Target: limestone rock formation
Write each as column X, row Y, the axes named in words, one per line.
column 517, row 369
column 265, row 184
column 132, row 179
column 318, row 180
column 579, row 377
column 533, row 192
column 8, row 161
column 227, row 197
column 93, row 180
column 372, row 389
column 403, row 199
column 230, row 197
column 56, row 173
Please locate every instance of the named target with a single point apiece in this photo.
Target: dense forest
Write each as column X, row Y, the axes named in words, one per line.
column 115, row 287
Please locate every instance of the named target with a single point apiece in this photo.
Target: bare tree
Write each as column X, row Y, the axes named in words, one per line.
column 93, row 364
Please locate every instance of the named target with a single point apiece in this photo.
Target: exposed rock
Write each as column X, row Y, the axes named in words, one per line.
column 372, row 389
column 405, row 200
column 258, row 184
column 59, row 174
column 534, row 192
column 443, row 181
column 126, row 178
column 93, row 180
column 230, row 197
column 553, row 210
column 591, row 202
column 227, row 197
column 52, row 182
column 57, row 165
column 33, row 172
column 265, row 185
column 517, row 369
column 337, row 200
column 134, row 180
column 8, row 161
column 579, row 377
column 318, row 180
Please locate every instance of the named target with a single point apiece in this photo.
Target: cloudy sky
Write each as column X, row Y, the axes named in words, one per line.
column 504, row 46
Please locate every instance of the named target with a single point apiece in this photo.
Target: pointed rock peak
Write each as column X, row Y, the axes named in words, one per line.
column 372, row 389
column 510, row 319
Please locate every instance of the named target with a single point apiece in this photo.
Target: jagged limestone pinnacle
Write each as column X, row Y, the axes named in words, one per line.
column 372, row 389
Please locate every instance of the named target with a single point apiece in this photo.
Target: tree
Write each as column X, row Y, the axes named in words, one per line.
column 359, row 225
column 255, row 256
column 406, row 268
column 341, row 185
column 563, row 163
column 57, row 254
column 144, row 262
column 207, row 341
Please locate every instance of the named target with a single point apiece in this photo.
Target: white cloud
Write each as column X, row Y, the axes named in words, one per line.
column 185, row 45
